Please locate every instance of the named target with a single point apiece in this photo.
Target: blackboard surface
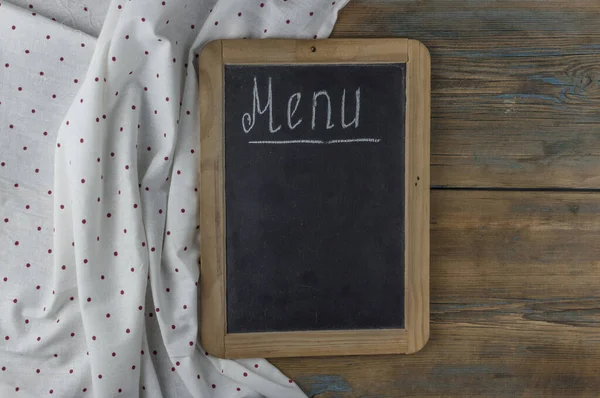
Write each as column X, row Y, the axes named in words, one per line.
column 314, row 203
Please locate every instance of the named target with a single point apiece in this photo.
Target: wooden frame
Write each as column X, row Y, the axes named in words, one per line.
column 214, row 336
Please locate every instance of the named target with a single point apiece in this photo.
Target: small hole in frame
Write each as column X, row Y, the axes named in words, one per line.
column 313, row 49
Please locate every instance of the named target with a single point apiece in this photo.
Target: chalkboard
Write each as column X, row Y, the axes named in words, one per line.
column 314, row 197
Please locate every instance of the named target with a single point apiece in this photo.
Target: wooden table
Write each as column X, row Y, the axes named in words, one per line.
column 515, row 226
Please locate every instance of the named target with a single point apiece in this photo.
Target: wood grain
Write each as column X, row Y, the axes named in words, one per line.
column 417, row 195
column 515, row 307
column 317, row 343
column 212, row 211
column 515, row 86
column 331, row 51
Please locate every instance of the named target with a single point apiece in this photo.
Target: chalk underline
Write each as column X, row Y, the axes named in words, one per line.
column 322, row 142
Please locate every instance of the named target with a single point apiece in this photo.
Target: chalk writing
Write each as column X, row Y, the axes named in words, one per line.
column 319, row 98
column 251, row 119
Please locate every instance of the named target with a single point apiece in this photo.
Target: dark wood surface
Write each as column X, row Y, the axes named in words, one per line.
column 515, row 227
column 515, row 86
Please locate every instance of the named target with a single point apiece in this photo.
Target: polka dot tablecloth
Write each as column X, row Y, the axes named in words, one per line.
column 98, row 195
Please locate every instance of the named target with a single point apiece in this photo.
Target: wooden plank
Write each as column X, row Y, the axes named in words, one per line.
column 316, row 343
column 515, row 86
column 515, row 305
column 350, row 51
column 417, row 195
column 212, row 211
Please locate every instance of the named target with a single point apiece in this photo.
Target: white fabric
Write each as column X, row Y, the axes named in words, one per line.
column 98, row 194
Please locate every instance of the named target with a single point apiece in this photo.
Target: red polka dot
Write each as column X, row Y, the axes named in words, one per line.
column 290, row 381
column 216, row 23
column 83, row 221
column 214, row 386
column 143, row 19
column 72, row 334
column 287, row 22
column 238, row 389
column 256, row 365
column 99, row 376
column 239, row 14
column 173, row 327
column 94, row 338
column 245, row 374
column 115, row 254
column 114, row 59
column 262, row 5
column 122, row 292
